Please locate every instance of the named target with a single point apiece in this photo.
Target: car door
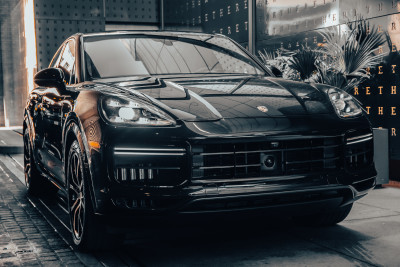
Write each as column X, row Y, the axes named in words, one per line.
column 42, row 124
column 53, row 106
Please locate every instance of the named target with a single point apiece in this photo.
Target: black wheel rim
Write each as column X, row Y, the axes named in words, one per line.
column 76, row 195
column 27, row 160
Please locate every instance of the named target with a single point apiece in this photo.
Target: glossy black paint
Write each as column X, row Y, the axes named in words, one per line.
column 50, row 77
column 211, row 108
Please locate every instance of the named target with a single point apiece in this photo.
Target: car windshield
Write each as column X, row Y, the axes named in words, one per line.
column 125, row 55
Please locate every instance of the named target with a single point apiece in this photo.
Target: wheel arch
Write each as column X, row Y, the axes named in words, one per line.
column 27, row 124
column 73, row 130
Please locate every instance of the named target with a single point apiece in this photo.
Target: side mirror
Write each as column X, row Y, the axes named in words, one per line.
column 51, row 77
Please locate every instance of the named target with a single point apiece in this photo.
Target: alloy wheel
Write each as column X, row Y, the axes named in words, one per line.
column 27, row 160
column 76, row 194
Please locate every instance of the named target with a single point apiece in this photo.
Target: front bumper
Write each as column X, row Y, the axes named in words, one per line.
column 137, row 191
column 300, row 192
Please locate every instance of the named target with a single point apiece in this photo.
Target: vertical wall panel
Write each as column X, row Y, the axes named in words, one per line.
column 138, row 11
column 292, row 24
column 211, row 16
column 13, row 64
column 57, row 19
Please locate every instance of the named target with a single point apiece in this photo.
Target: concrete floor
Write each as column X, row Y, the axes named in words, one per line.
column 370, row 236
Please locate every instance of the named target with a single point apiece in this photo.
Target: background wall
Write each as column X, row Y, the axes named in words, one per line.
column 229, row 17
column 12, row 86
column 58, row 19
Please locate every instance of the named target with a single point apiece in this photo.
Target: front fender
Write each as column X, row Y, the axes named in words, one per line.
column 83, row 131
column 28, row 125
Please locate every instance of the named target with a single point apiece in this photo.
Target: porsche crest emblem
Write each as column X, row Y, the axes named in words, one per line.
column 262, row 109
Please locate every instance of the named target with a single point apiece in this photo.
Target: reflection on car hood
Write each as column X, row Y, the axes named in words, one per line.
column 241, row 97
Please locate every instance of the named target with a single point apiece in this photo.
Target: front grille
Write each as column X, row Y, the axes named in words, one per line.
column 267, row 158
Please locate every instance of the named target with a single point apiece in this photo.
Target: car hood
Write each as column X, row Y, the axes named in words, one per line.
column 205, row 99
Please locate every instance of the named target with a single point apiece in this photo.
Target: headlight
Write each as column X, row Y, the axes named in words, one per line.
column 134, row 112
column 345, row 105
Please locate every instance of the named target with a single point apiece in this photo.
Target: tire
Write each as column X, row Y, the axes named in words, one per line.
column 35, row 183
column 330, row 218
column 87, row 232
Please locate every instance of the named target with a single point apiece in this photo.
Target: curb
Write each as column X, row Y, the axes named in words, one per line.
column 395, row 184
column 11, row 149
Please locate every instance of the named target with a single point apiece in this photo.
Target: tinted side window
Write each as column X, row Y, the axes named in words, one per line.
column 56, row 58
column 67, row 62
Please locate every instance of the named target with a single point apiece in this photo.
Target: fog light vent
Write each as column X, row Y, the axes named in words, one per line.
column 121, row 174
column 139, row 174
column 132, row 174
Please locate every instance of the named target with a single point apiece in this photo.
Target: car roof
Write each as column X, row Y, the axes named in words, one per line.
column 151, row 33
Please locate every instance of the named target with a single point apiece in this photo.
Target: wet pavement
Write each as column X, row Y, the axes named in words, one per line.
column 31, row 233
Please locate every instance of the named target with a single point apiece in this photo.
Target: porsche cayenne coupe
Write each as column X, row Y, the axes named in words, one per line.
column 152, row 124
